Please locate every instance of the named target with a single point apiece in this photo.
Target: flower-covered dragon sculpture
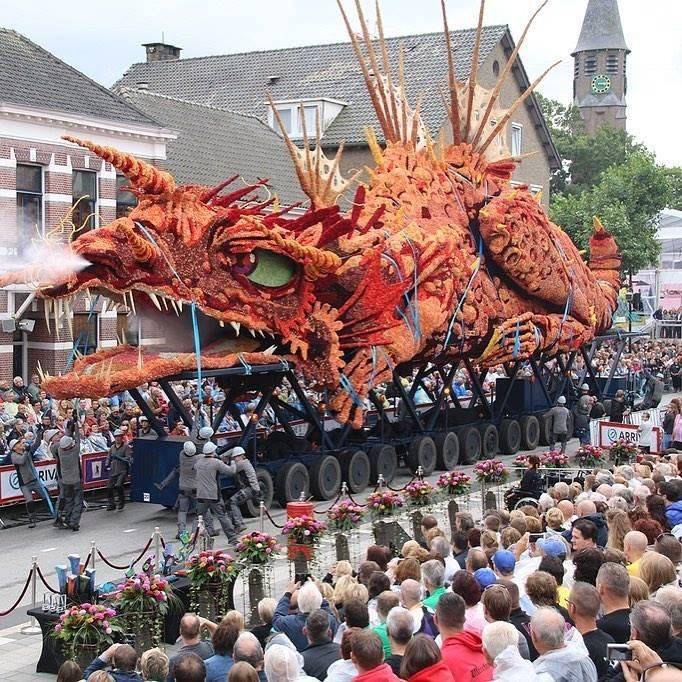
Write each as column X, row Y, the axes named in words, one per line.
column 439, row 258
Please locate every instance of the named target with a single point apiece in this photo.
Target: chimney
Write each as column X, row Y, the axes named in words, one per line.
column 161, row 52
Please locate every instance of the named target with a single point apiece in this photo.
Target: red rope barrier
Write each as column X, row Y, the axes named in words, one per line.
column 272, row 521
column 87, row 561
column 42, row 579
column 21, row 596
column 320, row 511
column 399, row 490
column 350, row 497
column 132, row 563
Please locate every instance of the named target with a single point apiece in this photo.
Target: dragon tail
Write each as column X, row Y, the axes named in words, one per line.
column 605, row 262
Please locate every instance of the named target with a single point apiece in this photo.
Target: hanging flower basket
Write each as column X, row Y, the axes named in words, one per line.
column 384, row 503
column 212, row 574
column 257, row 548
column 554, row 460
column 590, row 456
column 454, row 483
column 420, row 493
column 623, row 452
column 344, row 516
column 491, row 471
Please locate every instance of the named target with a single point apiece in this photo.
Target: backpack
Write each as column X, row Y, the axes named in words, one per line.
column 428, row 626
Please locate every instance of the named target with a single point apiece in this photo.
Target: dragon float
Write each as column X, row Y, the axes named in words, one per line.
column 439, row 258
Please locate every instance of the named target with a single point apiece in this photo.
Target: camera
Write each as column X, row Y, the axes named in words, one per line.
column 534, row 537
column 618, row 652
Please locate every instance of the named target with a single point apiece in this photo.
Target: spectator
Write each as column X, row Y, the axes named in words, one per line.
column 433, row 573
column 441, row 548
column 541, row 588
column 344, row 669
column 587, row 563
column 385, row 602
column 121, row 658
column 69, row 671
column 410, row 598
column 583, row 535
column 154, row 665
column 423, row 662
column 670, row 546
column 223, row 640
column 501, row 651
column 467, row 587
column 634, row 546
column 561, row 661
column 242, row 672
column 190, row 637
column 460, row 546
column 518, row 617
column 639, row 591
column 189, row 667
column 476, row 559
column 247, row 649
column 672, row 492
column 266, row 611
column 399, row 628
column 497, row 605
column 367, row 654
column 282, row 664
column 321, row 652
column 652, row 625
column 462, row 652
column 613, row 586
column 356, row 616
column 583, row 607
column 292, row 624
column 657, row 571
column 671, row 599
column 555, row 567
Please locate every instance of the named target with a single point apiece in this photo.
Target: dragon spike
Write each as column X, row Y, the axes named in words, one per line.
column 503, row 77
column 143, row 251
column 474, row 69
column 211, row 192
column 143, row 176
column 452, row 81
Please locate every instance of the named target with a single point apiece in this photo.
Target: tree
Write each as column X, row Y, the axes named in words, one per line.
column 674, row 178
column 627, row 199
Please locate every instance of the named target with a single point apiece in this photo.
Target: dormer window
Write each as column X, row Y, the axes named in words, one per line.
column 297, row 113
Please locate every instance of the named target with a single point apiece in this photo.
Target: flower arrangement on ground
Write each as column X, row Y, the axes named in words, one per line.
column 590, row 456
column 554, row 459
column 520, row 463
column 344, row 516
column 257, row 548
column 87, row 624
column 623, row 451
column 491, row 471
column 303, row 530
column 384, row 502
column 419, row 493
column 454, row 483
column 211, row 566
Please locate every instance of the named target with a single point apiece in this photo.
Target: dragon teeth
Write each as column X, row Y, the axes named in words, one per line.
column 155, row 299
column 47, row 307
column 260, row 331
column 236, row 326
column 175, row 307
column 180, row 305
column 270, row 351
column 165, row 305
column 253, row 333
column 221, row 323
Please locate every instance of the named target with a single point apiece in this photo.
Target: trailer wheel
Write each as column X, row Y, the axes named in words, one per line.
column 383, row 460
column 325, row 477
column 490, row 441
column 355, row 469
column 470, row 444
column 251, row 508
column 292, row 480
column 422, row 453
column 510, row 436
column 447, row 447
column 545, row 429
column 530, row 432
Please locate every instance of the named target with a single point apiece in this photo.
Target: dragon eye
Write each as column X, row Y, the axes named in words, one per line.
column 267, row 268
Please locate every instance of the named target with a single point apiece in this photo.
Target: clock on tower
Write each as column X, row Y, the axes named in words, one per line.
column 601, row 84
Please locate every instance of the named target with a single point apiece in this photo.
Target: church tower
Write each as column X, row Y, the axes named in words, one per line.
column 599, row 75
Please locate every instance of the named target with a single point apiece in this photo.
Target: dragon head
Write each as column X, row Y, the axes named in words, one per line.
column 249, row 274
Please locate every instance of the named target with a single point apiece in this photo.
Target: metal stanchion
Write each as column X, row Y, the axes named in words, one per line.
column 33, row 628
column 157, row 546
column 262, row 516
column 93, row 553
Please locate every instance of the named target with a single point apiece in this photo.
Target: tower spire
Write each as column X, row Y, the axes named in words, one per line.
column 601, row 29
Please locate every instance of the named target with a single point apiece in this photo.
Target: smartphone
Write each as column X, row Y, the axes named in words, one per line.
column 534, row 537
column 618, row 652
column 302, row 577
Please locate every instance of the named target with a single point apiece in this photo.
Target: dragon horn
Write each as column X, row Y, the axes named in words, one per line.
column 143, row 251
column 143, row 176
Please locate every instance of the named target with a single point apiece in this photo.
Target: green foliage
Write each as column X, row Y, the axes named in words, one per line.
column 674, row 178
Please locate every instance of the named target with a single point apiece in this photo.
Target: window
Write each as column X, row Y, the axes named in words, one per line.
column 85, row 333
column 125, row 201
column 29, row 205
column 612, row 64
column 496, row 68
column 84, row 193
column 293, row 121
column 516, row 139
column 576, row 66
column 590, row 65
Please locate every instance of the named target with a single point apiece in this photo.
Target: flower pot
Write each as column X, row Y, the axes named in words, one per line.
column 147, row 626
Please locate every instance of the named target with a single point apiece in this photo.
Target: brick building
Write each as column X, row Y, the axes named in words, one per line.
column 43, row 178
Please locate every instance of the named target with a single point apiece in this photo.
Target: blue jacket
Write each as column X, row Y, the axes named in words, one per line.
column 118, row 675
column 291, row 624
column 673, row 513
column 217, row 668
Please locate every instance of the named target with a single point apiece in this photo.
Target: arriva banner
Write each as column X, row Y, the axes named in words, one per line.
column 9, row 480
column 610, row 432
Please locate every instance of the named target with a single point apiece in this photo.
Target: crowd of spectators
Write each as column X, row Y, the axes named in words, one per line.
column 539, row 594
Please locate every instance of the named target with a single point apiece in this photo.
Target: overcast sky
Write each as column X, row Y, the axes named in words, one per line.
column 102, row 39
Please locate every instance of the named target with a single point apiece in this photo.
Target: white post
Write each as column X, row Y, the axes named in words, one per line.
column 344, row 489
column 93, row 553
column 33, row 628
column 157, row 548
column 261, row 512
column 380, row 482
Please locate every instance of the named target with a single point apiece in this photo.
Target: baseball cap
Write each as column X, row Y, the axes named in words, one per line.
column 504, row 561
column 552, row 546
column 485, row 577
column 189, row 448
column 561, row 400
column 118, row 433
column 205, row 432
column 209, row 448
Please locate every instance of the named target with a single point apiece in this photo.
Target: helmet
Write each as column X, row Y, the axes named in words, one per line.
column 205, row 432
column 189, row 448
column 585, row 387
column 561, row 400
column 66, row 442
column 209, row 448
column 235, row 452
